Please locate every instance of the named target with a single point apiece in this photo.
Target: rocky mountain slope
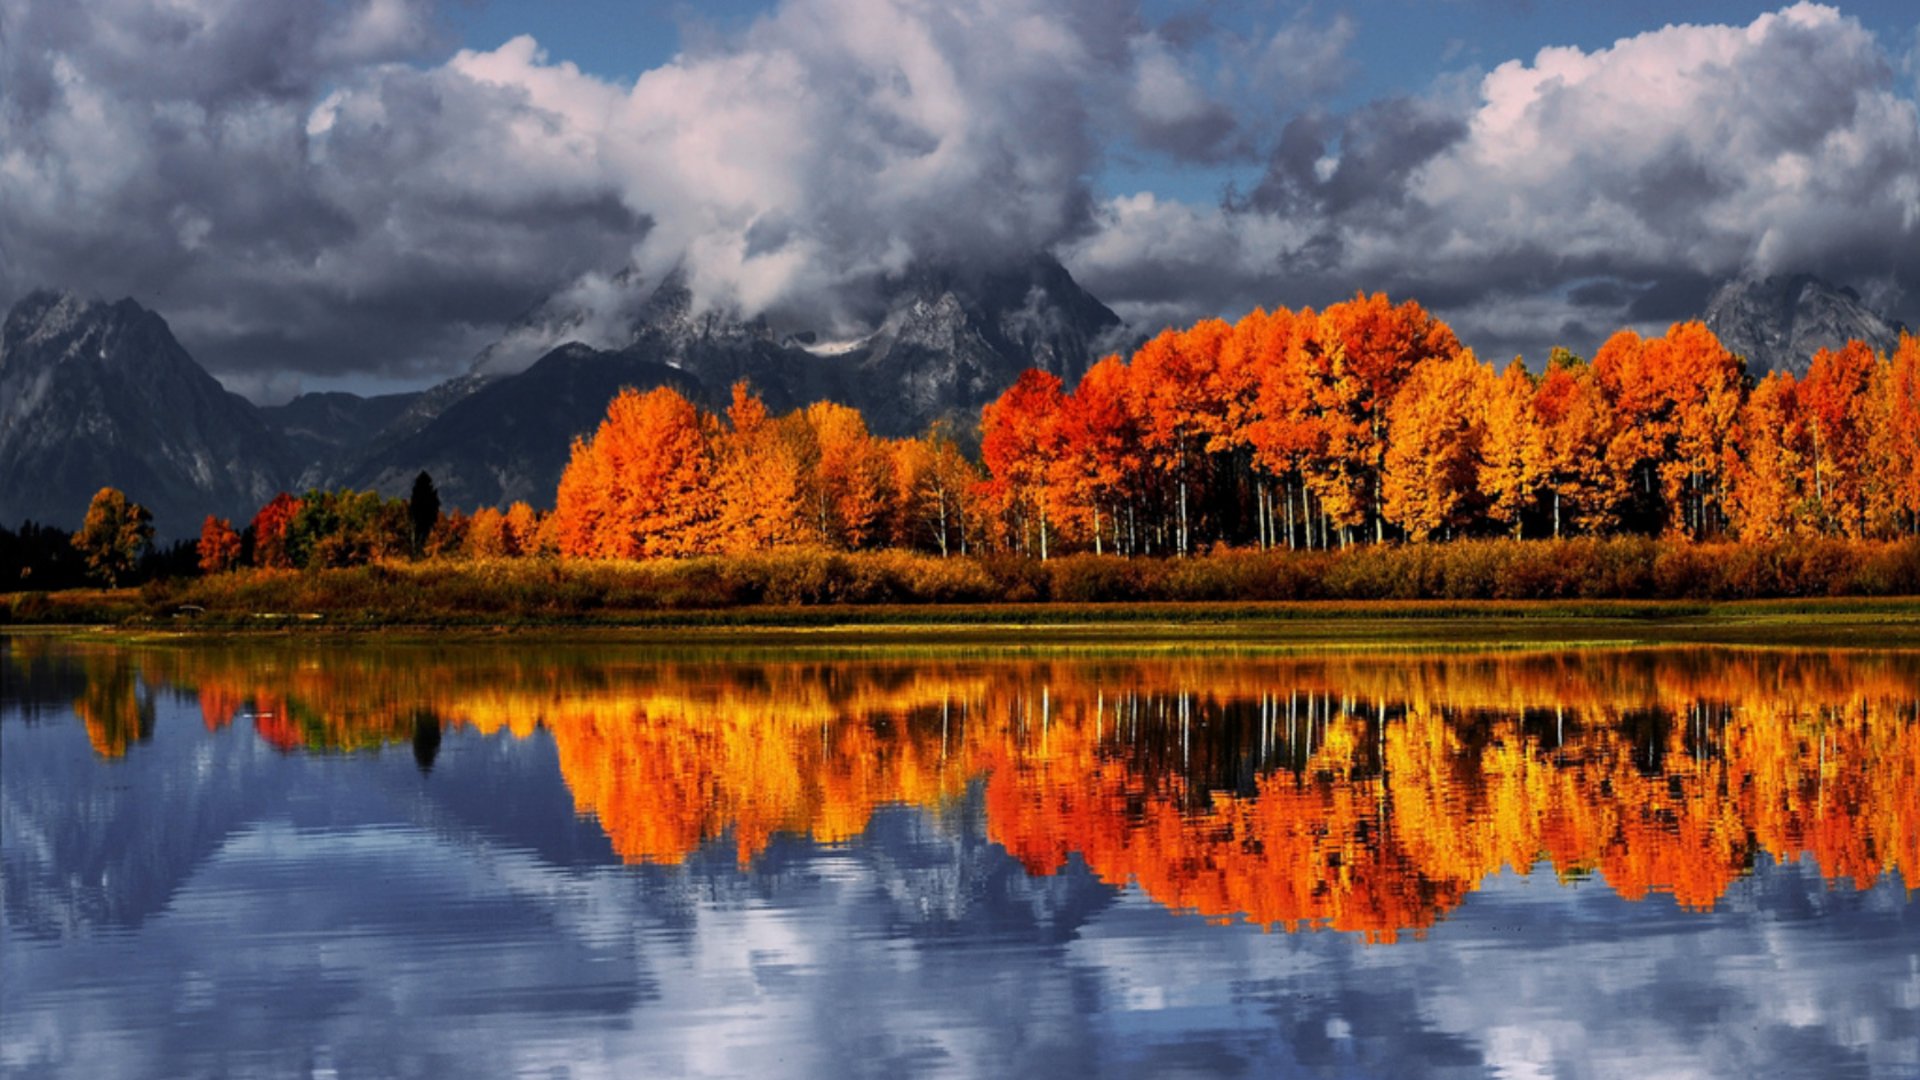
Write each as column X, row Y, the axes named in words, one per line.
column 320, row 428
column 1778, row 323
column 95, row 394
column 948, row 343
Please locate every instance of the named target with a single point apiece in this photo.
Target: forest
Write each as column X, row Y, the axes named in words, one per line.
column 1366, row 424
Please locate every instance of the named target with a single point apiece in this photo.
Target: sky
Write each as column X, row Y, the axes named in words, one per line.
column 363, row 194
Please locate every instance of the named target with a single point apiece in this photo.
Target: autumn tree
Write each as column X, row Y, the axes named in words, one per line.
column 1172, row 391
column 1769, row 460
column 1366, row 348
column 1624, row 372
column 1576, row 428
column 1435, row 429
column 1834, row 397
column 1705, row 385
column 1286, row 428
column 269, row 530
column 758, row 477
column 933, row 478
column 1513, row 453
column 1100, row 453
column 509, row 533
column 113, row 536
column 1674, row 401
column 449, row 535
column 347, row 528
column 640, row 487
column 1019, row 443
column 1895, row 440
column 219, row 547
column 522, row 528
column 852, row 476
column 488, row 536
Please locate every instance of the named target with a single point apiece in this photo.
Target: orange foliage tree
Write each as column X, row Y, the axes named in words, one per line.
column 933, row 482
column 1674, row 401
column 1367, row 350
column 758, row 475
column 640, row 486
column 851, row 481
column 270, row 531
column 1100, row 453
column 1895, row 439
column 219, row 546
column 1834, row 397
column 1513, row 452
column 1020, row 442
column 1769, row 458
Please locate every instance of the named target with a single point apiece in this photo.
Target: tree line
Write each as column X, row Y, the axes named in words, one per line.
column 1366, row 422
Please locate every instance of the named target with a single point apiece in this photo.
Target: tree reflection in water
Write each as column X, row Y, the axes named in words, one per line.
column 1365, row 793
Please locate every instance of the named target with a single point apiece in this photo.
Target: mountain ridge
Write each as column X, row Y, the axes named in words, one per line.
column 1779, row 322
column 96, row 394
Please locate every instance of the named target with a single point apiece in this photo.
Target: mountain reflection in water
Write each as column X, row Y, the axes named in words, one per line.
column 1368, row 793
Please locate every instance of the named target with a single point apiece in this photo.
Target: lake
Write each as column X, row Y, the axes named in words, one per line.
column 315, row 857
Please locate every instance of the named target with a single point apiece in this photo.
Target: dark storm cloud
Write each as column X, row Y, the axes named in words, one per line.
column 1676, row 296
column 1658, row 165
column 1361, row 163
column 306, row 188
column 191, row 154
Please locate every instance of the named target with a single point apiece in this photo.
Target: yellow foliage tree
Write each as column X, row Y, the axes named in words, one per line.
column 1436, row 426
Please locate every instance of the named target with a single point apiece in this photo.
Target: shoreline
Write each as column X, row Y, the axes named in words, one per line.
column 1849, row 623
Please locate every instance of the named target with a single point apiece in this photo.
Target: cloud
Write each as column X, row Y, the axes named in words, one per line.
column 310, row 191
column 285, row 183
column 302, row 187
column 1687, row 153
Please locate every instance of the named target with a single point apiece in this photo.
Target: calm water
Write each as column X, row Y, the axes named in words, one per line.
column 331, row 860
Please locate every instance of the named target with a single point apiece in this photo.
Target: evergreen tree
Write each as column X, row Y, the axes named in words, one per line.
column 423, row 508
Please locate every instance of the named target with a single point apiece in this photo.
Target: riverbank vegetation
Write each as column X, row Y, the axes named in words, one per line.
column 1553, row 576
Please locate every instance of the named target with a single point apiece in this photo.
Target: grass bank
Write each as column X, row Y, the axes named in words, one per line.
column 1625, row 589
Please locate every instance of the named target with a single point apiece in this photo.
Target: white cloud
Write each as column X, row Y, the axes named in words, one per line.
column 1784, row 145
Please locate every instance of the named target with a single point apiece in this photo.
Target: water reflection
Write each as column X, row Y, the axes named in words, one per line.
column 1365, row 793
column 299, row 858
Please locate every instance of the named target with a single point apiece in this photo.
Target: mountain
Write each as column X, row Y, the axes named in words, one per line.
column 95, row 394
column 1779, row 322
column 510, row 438
column 320, row 427
column 949, row 341
column 597, row 314
column 952, row 341
column 946, row 342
